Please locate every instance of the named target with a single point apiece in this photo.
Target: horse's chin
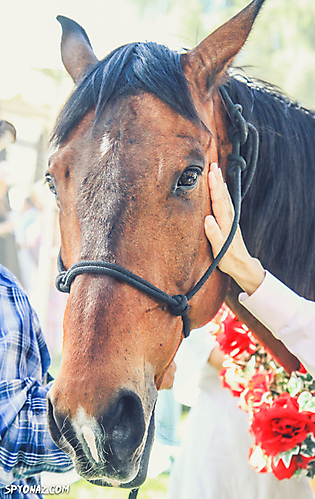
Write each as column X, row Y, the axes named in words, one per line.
column 141, row 474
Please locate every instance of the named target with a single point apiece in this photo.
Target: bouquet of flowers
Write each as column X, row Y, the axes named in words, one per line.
column 281, row 406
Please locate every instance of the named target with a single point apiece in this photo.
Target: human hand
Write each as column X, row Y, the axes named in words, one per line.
column 216, row 358
column 169, row 376
column 237, row 262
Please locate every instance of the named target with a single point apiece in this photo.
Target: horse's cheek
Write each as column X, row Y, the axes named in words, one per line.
column 205, row 304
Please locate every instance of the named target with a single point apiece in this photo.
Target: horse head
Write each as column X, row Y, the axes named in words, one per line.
column 133, row 147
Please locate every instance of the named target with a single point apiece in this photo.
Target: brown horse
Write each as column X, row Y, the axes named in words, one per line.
column 133, row 148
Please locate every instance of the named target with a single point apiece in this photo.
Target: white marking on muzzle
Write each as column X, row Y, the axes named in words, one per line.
column 90, row 440
column 87, row 429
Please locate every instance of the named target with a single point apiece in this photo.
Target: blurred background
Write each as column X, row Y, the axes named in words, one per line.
column 34, row 85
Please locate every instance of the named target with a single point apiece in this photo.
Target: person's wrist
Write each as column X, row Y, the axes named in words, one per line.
column 249, row 274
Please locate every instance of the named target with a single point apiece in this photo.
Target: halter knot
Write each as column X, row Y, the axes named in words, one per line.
column 61, row 283
column 180, row 306
column 239, row 130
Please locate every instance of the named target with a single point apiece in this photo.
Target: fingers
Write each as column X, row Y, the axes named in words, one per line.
column 219, row 189
column 214, row 234
column 222, row 205
column 217, row 228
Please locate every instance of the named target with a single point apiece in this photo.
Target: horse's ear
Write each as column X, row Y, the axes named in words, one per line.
column 204, row 64
column 76, row 50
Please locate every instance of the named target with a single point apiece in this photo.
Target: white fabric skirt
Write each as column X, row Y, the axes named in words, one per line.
column 213, row 459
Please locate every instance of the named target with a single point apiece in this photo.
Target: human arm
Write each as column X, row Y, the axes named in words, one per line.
column 288, row 316
column 216, row 358
column 169, row 376
column 26, row 447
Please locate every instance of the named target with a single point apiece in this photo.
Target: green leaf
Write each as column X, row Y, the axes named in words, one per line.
column 295, row 385
column 308, row 446
column 306, row 402
column 310, row 470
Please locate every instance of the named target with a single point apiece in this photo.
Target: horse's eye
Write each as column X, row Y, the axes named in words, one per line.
column 51, row 185
column 189, row 177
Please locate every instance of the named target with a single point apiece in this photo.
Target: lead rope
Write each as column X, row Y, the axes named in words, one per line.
column 133, row 494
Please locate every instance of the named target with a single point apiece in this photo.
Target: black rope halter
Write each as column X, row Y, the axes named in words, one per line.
column 240, row 133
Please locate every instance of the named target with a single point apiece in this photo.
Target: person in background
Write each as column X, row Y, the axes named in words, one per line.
column 212, row 462
column 27, row 230
column 26, row 448
column 8, row 251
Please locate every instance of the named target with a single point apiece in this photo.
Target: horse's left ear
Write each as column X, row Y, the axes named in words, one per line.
column 204, row 64
column 76, row 50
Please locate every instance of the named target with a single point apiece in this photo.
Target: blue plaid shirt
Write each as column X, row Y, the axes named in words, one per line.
column 26, row 447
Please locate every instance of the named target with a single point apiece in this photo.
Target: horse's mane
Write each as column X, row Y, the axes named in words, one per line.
column 130, row 69
column 278, row 213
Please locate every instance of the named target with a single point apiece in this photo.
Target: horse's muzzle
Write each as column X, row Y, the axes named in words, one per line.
column 109, row 450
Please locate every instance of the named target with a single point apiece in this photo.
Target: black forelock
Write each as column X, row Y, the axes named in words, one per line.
column 130, row 69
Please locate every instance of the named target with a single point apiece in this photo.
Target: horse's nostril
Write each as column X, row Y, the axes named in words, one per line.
column 129, row 426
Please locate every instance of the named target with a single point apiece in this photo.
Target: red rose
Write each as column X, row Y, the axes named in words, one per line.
column 235, row 338
column 280, row 470
column 281, row 427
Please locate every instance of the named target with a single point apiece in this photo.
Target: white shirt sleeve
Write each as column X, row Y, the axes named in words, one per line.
column 287, row 315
